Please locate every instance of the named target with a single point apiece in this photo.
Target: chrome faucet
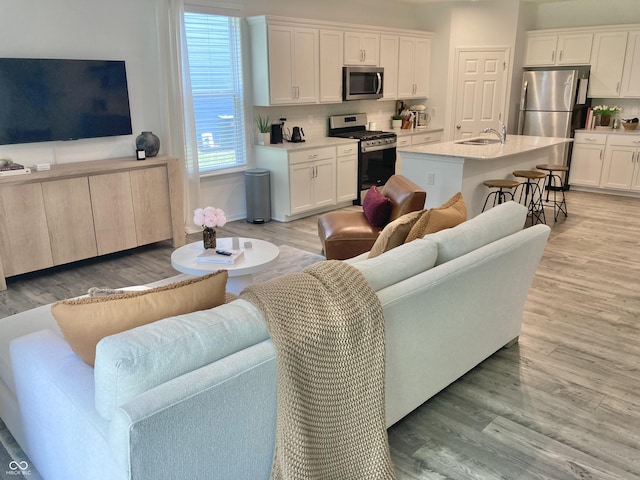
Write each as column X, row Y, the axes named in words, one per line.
column 502, row 134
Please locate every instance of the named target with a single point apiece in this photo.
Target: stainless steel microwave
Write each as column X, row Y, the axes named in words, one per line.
column 362, row 83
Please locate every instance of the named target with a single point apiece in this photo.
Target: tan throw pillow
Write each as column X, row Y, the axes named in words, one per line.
column 85, row 321
column 395, row 233
column 451, row 213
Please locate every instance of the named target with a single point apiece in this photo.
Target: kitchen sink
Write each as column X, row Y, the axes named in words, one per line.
column 479, row 141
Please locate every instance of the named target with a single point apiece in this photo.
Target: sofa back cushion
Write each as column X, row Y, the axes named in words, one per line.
column 496, row 223
column 137, row 360
column 398, row 264
column 86, row 320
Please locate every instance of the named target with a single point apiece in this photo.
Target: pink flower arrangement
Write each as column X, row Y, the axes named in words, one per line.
column 209, row 217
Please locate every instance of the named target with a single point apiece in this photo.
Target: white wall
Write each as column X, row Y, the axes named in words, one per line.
column 87, row 29
column 583, row 13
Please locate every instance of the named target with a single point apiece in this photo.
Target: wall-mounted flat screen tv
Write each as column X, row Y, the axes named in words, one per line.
column 44, row 100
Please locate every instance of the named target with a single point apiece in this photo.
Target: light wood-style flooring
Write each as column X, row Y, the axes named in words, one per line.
column 562, row 404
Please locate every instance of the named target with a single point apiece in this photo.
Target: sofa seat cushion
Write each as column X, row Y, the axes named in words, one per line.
column 394, row 233
column 494, row 224
column 398, row 264
column 134, row 361
column 453, row 212
column 346, row 234
column 84, row 321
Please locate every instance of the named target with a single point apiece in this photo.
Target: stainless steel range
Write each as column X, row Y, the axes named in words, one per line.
column 377, row 152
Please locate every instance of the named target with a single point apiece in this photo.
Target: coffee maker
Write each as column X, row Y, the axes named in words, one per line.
column 277, row 131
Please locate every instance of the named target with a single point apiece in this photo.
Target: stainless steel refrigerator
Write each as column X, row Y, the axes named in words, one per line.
column 554, row 103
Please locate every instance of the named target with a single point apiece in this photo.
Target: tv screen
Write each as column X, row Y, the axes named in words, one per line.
column 43, row 100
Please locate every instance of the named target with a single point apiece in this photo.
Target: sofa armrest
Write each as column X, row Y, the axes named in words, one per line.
column 217, row 422
column 56, row 397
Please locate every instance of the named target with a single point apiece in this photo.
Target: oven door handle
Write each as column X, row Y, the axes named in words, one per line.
column 377, row 148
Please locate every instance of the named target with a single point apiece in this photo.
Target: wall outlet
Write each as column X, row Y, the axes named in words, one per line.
column 430, row 178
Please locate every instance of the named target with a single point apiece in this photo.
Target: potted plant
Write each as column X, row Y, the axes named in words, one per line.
column 396, row 121
column 264, row 129
column 606, row 112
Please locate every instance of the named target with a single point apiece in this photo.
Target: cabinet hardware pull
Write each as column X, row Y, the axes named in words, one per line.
column 560, row 57
column 553, row 56
column 601, row 151
column 618, row 87
column 590, row 139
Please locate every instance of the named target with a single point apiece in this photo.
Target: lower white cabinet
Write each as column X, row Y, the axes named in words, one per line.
column 310, row 180
column 586, row 159
column 347, row 173
column 610, row 162
column 621, row 163
column 313, row 185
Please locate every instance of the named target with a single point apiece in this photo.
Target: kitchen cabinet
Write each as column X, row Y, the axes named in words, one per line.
column 347, row 173
column 80, row 210
column 558, row 49
column 331, row 62
column 293, row 64
column 285, row 61
column 631, row 73
column 607, row 63
column 389, row 61
column 309, row 178
column 586, row 159
column 361, row 48
column 621, row 168
column 414, row 60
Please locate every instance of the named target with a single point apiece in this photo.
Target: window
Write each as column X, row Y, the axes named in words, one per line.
column 215, row 66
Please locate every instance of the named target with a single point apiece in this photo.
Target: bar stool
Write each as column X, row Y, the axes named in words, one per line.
column 532, row 193
column 500, row 195
column 554, row 184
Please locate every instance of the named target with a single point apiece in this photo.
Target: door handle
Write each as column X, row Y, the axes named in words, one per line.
column 379, row 77
column 458, row 126
column 523, row 102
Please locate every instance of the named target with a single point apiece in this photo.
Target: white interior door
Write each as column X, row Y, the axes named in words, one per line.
column 480, row 90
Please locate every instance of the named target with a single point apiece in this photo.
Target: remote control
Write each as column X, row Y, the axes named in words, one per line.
column 224, row 252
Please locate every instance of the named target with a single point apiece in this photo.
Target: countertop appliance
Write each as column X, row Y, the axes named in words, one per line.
column 554, row 103
column 362, row 83
column 376, row 152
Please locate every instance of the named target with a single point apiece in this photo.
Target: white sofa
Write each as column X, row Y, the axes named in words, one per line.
column 194, row 396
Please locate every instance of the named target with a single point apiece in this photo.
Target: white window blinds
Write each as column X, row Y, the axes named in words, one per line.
column 215, row 64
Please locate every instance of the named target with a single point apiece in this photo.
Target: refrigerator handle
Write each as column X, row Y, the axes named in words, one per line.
column 523, row 102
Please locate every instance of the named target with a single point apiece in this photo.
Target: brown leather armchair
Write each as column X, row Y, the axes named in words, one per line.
column 345, row 234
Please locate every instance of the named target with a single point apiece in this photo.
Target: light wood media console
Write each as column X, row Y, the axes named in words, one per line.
column 81, row 210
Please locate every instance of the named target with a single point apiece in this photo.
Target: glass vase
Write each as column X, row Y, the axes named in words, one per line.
column 209, row 237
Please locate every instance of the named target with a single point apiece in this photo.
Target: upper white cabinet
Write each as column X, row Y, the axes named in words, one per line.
column 414, row 60
column 331, row 61
column 631, row 74
column 361, row 48
column 285, row 63
column 389, row 61
column 558, row 49
column 607, row 63
column 297, row 61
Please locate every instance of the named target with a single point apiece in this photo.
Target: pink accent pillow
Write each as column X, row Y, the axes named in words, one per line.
column 376, row 207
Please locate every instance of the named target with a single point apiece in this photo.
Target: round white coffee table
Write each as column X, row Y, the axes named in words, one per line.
column 257, row 257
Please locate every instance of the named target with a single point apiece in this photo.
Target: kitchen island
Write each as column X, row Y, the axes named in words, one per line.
column 443, row 169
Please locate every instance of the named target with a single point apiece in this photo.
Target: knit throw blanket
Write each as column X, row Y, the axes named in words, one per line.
column 327, row 327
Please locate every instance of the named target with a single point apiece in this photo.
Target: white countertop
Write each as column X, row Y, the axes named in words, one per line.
column 401, row 132
column 310, row 143
column 514, row 145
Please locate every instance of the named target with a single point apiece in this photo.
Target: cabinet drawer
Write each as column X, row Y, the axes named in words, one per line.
column 624, row 140
column 311, row 155
column 344, row 150
column 591, row 138
column 404, row 141
column 421, row 138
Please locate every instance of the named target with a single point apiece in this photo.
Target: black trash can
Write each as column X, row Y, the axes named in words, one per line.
column 257, row 185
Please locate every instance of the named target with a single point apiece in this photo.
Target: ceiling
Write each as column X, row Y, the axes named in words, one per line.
column 424, row 2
